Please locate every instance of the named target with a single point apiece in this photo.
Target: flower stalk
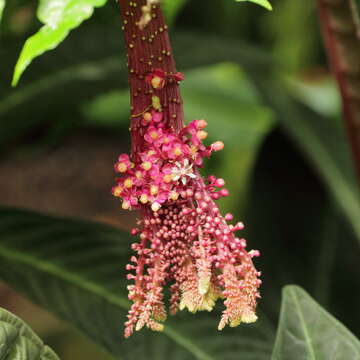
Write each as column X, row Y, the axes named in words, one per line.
column 184, row 241
column 341, row 33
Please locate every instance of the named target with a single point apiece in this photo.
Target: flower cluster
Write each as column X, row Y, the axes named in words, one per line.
column 184, row 242
column 166, row 166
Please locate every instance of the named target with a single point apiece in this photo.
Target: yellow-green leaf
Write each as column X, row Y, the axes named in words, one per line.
column 2, row 5
column 265, row 3
column 59, row 18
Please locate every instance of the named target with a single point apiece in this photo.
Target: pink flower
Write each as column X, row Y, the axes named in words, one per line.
column 183, row 171
column 157, row 116
column 151, row 117
column 179, row 76
column 154, row 135
column 156, row 79
column 123, row 163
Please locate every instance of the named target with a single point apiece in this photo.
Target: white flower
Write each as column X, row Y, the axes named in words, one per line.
column 181, row 171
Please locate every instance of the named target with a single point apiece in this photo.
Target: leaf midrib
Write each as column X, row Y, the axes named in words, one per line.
column 84, row 284
column 303, row 325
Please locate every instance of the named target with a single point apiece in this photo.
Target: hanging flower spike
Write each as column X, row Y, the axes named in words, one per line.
column 184, row 241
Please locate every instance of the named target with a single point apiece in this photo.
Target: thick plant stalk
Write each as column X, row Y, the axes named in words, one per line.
column 149, row 48
column 184, row 242
column 340, row 27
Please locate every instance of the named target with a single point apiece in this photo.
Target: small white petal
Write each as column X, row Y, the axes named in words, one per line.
column 176, row 177
column 183, row 180
column 192, row 175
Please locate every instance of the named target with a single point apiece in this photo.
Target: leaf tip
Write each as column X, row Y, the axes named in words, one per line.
column 18, row 71
column 264, row 3
column 290, row 289
column 14, row 81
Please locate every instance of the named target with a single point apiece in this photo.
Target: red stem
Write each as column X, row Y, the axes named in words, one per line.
column 149, row 49
column 340, row 30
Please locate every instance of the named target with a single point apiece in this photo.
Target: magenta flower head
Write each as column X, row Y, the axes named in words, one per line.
column 184, row 242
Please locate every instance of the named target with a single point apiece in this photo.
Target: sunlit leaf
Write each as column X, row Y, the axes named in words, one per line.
column 59, row 18
column 321, row 94
column 307, row 331
column 2, row 5
column 19, row 342
column 265, row 3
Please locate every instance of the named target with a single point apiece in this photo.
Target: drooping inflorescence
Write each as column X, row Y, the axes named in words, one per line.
column 184, row 244
column 184, row 240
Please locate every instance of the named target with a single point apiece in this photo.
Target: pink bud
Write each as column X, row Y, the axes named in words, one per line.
column 224, row 192
column 217, row 146
column 198, row 195
column 201, row 124
column 239, row 226
column 219, row 182
column 228, row 217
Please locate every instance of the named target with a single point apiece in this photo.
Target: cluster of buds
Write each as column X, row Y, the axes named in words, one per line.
column 184, row 241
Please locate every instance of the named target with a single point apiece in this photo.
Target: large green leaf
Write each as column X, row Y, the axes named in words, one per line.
column 307, row 331
column 19, row 342
column 76, row 270
column 265, row 3
column 59, row 18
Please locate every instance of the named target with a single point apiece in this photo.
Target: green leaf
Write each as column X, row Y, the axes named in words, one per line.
column 171, row 8
column 265, row 3
column 321, row 95
column 19, row 342
column 324, row 142
column 59, row 18
column 223, row 95
column 76, row 269
column 307, row 331
column 2, row 5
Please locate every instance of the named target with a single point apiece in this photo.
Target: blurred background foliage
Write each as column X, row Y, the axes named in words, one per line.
column 261, row 81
